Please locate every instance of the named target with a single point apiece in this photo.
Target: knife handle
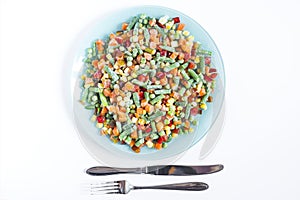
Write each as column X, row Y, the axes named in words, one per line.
column 100, row 171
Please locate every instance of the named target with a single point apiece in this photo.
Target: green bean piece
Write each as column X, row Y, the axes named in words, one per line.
column 156, row 115
column 146, row 95
column 90, row 107
column 181, row 91
column 147, row 36
column 89, row 97
column 136, row 99
column 205, row 97
column 167, row 48
column 113, row 75
column 171, row 67
column 169, row 60
column 119, row 126
column 160, row 30
column 85, row 95
column 176, row 80
column 185, row 75
column 136, row 29
column 127, row 126
column 139, row 83
column 134, row 52
column 202, row 64
column 139, row 142
column 132, row 23
column 188, row 111
column 140, row 134
column 94, row 89
column 157, row 99
column 194, row 75
column 153, row 127
column 145, row 71
column 128, row 140
column 149, row 87
column 154, row 136
column 162, row 91
column 103, row 100
column 185, row 65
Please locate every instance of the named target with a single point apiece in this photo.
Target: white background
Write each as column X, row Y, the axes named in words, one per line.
column 41, row 156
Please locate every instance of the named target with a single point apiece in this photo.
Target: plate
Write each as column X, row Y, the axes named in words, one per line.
column 117, row 155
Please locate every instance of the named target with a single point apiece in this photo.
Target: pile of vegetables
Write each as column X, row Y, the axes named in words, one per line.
column 147, row 82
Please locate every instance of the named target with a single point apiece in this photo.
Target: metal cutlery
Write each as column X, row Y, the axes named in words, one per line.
column 176, row 170
column 124, row 187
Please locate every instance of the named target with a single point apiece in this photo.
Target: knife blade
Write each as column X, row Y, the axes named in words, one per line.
column 175, row 170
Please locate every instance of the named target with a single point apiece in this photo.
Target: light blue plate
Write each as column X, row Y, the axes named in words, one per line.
column 100, row 147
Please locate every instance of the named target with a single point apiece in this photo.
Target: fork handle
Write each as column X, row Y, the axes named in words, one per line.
column 190, row 186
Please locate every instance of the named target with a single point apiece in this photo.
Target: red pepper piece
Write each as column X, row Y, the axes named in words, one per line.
column 162, row 139
column 211, row 70
column 148, row 130
column 163, row 52
column 207, row 60
column 100, row 119
column 207, row 78
column 176, row 130
column 214, row 75
column 142, row 78
column 191, row 65
column 176, row 20
column 194, row 111
column 160, row 75
column 187, row 56
column 141, row 95
column 119, row 40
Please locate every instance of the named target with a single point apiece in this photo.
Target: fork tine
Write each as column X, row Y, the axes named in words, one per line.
column 105, row 183
column 105, row 192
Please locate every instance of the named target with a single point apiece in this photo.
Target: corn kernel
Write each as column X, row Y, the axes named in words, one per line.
column 149, row 144
column 198, row 100
column 83, row 77
column 168, row 132
column 191, row 130
column 144, row 112
column 169, row 24
column 185, row 33
column 174, row 135
column 132, row 106
column 167, row 128
column 171, row 100
column 179, row 108
column 197, row 59
column 172, row 127
column 141, row 121
column 109, row 131
column 134, row 120
column 190, row 38
column 203, row 106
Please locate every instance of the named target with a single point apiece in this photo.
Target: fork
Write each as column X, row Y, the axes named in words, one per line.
column 124, row 187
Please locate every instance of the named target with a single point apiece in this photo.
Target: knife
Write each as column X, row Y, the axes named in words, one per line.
column 176, row 170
